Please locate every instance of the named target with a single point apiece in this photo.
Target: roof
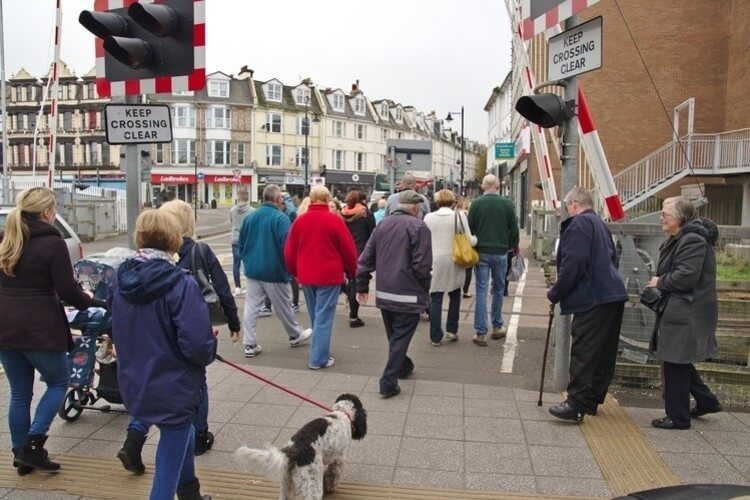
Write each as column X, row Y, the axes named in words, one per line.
column 239, row 93
column 348, row 108
column 22, row 74
column 288, row 102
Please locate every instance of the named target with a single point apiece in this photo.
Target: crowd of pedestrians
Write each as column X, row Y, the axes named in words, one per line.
column 164, row 331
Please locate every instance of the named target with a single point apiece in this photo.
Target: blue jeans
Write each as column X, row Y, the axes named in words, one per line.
column 489, row 265
column 436, row 312
column 200, row 421
column 236, row 261
column 175, row 464
column 19, row 368
column 321, row 306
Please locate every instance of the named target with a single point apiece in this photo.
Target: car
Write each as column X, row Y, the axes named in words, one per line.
column 377, row 195
column 75, row 249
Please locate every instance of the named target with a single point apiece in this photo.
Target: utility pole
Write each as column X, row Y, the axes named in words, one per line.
column 132, row 182
column 4, row 105
column 392, row 159
column 569, row 175
column 462, row 190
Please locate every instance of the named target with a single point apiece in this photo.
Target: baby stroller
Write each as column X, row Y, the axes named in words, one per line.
column 93, row 365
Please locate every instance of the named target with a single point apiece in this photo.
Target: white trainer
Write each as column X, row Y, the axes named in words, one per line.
column 303, row 337
column 251, row 352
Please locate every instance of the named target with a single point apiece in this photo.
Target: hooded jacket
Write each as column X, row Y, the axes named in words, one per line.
column 32, row 317
column 262, row 238
column 162, row 332
column 236, row 215
column 687, row 273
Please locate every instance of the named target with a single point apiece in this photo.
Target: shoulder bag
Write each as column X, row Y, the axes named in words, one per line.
column 463, row 253
column 202, row 277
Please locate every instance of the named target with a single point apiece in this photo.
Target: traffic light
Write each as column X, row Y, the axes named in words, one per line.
column 546, row 110
column 145, row 40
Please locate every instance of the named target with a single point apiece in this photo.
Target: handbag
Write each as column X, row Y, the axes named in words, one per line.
column 654, row 299
column 215, row 309
column 463, row 253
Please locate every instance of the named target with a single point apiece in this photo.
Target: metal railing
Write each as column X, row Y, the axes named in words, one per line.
column 699, row 154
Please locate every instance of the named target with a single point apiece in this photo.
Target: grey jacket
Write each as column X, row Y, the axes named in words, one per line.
column 392, row 204
column 687, row 272
column 400, row 249
column 236, row 215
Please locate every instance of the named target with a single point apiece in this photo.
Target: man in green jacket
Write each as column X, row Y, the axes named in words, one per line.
column 492, row 218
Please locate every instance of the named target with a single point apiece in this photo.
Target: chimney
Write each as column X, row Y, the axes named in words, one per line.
column 245, row 69
column 355, row 87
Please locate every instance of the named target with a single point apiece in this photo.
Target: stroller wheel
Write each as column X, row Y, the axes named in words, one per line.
column 73, row 404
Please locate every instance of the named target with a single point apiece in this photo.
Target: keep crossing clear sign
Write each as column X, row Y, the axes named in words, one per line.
column 575, row 51
column 137, row 123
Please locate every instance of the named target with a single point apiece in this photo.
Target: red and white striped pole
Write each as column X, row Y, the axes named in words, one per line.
column 597, row 159
column 55, row 75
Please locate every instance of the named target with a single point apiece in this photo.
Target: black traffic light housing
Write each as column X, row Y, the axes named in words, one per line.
column 546, row 110
column 145, row 40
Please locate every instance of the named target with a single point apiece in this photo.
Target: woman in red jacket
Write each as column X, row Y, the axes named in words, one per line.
column 319, row 252
column 35, row 274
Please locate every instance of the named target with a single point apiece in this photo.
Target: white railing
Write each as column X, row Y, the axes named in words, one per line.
column 702, row 154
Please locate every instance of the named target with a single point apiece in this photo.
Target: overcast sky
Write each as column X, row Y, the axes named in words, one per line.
column 432, row 54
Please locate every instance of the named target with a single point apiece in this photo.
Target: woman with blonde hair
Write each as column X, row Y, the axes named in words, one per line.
column 162, row 330
column 35, row 274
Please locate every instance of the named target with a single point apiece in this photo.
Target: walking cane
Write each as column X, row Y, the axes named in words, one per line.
column 546, row 348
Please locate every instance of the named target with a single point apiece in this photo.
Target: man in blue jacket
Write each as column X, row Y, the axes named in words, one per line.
column 590, row 288
column 262, row 239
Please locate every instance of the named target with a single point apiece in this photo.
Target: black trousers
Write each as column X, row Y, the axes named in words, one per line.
column 467, row 281
column 400, row 328
column 351, row 295
column 680, row 381
column 596, row 335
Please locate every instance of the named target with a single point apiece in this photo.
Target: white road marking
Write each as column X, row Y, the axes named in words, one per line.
column 511, row 339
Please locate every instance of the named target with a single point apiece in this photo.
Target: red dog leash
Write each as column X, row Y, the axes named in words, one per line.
column 274, row 384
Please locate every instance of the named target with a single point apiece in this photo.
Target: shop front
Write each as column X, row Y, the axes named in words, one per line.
column 340, row 182
column 219, row 189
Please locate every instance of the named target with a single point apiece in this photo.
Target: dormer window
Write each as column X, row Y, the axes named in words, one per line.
column 218, row 89
column 273, row 92
column 384, row 110
column 359, row 106
column 399, row 114
column 338, row 102
column 302, row 96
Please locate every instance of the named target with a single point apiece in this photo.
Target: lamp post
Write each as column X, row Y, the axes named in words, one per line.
column 306, row 131
column 449, row 119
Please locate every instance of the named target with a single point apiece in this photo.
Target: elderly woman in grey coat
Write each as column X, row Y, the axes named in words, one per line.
column 686, row 331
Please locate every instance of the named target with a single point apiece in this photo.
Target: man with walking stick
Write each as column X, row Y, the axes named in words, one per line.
column 590, row 288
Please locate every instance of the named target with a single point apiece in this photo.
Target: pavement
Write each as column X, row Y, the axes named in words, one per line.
column 466, row 420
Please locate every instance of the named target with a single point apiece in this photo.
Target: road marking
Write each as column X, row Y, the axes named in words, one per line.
column 511, row 339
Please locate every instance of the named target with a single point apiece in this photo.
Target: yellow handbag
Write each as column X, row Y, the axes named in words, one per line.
column 463, row 253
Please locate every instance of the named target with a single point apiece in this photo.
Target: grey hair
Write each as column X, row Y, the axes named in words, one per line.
column 408, row 181
column 683, row 209
column 580, row 195
column 243, row 195
column 271, row 193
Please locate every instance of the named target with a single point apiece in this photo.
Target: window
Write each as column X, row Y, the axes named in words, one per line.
column 302, row 96
column 217, row 153
column 184, row 116
column 273, row 122
column 32, row 121
column 338, row 159
column 218, row 89
column 91, row 90
column 300, row 159
column 159, row 154
column 71, row 92
column 67, row 121
column 338, row 102
column 384, row 110
column 339, row 128
column 359, row 106
column 303, row 125
column 360, row 132
column 68, row 150
column 273, row 92
column 217, row 117
column 241, row 153
column 60, row 92
column 273, row 155
column 183, row 151
column 105, row 153
column 399, row 114
column 360, row 161
column 400, row 135
column 383, row 134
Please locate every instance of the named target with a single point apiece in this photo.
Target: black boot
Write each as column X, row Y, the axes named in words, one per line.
column 204, row 440
column 22, row 469
column 34, row 455
column 130, row 454
column 191, row 491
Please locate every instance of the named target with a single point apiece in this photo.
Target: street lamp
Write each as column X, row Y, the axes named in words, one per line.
column 306, row 131
column 449, row 119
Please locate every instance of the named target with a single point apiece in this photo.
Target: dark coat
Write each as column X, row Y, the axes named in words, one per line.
column 32, row 317
column 162, row 332
column 587, row 263
column 216, row 274
column 687, row 272
column 361, row 227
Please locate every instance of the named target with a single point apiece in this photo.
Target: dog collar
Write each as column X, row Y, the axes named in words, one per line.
column 346, row 413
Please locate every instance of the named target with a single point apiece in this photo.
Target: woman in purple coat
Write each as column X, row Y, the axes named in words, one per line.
column 162, row 331
column 35, row 273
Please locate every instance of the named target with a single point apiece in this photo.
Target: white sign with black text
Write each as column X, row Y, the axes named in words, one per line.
column 137, row 123
column 575, row 51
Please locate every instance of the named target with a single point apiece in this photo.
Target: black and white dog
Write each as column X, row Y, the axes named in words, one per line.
column 310, row 464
